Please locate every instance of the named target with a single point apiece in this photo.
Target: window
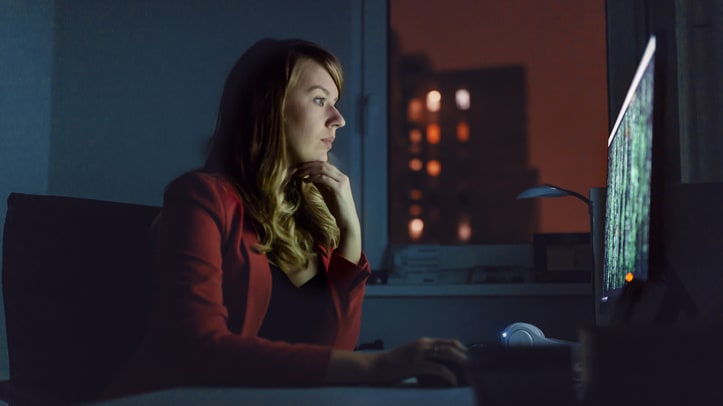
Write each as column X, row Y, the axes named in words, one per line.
column 486, row 105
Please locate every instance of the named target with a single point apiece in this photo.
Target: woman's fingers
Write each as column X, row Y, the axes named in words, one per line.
column 423, row 357
column 449, row 358
column 335, row 188
column 325, row 176
column 447, row 350
column 309, row 170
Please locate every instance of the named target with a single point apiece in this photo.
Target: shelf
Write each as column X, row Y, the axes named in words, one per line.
column 490, row 289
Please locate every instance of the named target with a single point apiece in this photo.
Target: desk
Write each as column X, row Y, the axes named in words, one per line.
column 326, row 396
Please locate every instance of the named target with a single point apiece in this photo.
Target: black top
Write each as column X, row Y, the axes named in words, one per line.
column 294, row 313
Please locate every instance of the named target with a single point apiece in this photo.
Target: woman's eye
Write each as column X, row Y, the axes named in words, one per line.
column 320, row 101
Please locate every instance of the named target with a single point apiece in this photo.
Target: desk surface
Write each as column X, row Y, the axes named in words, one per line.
column 327, row 396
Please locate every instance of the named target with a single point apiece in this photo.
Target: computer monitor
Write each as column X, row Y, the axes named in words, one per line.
column 629, row 190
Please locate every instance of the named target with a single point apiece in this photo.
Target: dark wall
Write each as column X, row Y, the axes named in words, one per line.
column 690, row 38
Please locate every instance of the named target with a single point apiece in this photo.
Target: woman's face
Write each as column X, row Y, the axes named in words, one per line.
column 310, row 116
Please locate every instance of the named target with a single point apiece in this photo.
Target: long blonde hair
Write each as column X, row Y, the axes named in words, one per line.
column 249, row 146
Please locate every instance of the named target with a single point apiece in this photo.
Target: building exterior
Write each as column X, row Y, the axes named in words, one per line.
column 458, row 155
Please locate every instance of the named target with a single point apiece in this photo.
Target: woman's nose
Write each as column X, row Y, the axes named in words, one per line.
column 336, row 120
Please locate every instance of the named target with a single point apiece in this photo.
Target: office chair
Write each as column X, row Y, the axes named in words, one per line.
column 77, row 289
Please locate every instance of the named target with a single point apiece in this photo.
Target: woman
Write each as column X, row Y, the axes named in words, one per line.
column 260, row 269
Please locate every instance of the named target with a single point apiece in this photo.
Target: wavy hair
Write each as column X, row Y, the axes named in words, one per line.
column 249, row 146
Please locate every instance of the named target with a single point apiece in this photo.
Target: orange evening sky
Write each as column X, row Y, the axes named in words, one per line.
column 562, row 45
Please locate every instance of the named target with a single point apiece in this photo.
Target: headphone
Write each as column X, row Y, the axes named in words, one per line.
column 525, row 334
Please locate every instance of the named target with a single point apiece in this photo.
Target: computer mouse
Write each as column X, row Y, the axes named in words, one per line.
column 526, row 334
column 435, row 381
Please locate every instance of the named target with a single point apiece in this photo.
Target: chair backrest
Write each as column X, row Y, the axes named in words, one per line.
column 77, row 288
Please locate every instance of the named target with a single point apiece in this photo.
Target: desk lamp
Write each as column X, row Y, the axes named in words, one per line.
column 595, row 204
column 596, row 210
column 550, row 191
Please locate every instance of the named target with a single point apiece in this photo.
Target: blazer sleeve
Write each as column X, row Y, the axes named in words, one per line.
column 348, row 283
column 194, row 322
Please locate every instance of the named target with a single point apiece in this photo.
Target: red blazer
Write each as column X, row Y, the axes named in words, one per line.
column 212, row 296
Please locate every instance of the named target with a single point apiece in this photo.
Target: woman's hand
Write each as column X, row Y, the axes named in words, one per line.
column 428, row 357
column 335, row 188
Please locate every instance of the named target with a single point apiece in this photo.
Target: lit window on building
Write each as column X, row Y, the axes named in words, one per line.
column 415, row 135
column 415, row 110
column 434, row 167
column 461, row 97
column 415, row 210
column 415, row 194
column 416, row 228
column 464, row 230
column 415, row 164
column 434, row 101
column 434, row 134
column 462, row 131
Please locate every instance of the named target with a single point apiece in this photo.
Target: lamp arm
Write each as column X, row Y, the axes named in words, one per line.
column 579, row 196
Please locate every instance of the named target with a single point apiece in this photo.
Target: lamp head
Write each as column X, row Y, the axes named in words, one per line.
column 550, row 191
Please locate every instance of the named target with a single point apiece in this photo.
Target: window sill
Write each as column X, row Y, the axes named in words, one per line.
column 489, row 289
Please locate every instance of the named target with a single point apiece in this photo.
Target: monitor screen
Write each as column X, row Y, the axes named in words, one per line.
column 629, row 180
